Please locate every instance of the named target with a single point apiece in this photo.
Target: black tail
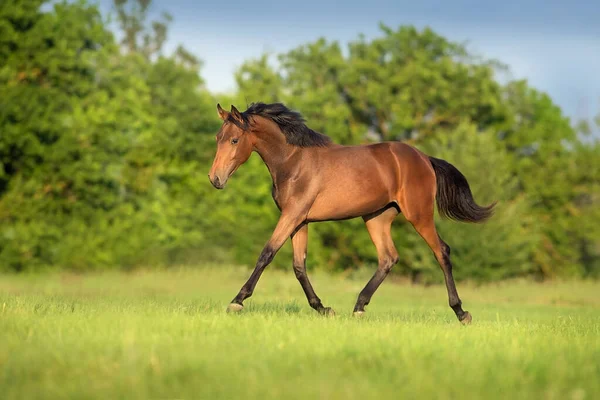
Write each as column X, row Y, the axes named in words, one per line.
column 454, row 197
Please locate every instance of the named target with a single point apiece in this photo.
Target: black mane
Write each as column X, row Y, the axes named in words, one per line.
column 291, row 123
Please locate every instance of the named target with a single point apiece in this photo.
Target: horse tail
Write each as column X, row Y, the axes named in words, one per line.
column 454, row 197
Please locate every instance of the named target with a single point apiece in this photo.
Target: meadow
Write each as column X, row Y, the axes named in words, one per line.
column 165, row 335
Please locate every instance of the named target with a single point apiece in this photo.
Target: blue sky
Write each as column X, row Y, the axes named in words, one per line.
column 554, row 44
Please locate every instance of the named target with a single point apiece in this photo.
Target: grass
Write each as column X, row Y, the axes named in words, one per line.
column 164, row 335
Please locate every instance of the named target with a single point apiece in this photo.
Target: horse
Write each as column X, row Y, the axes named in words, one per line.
column 317, row 180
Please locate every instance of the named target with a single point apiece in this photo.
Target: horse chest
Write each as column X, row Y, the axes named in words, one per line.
column 287, row 190
column 276, row 196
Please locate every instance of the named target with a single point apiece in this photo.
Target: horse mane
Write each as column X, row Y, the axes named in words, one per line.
column 291, row 123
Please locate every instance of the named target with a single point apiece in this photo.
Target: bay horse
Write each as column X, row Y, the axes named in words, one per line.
column 316, row 180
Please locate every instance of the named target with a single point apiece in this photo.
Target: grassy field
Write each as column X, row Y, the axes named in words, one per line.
column 165, row 335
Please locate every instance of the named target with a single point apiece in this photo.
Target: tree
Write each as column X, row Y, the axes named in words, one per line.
column 101, row 147
column 48, row 165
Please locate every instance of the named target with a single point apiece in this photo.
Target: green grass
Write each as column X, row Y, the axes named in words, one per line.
column 165, row 335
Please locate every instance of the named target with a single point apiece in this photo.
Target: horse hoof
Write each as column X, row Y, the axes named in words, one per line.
column 466, row 319
column 358, row 314
column 327, row 311
column 234, row 308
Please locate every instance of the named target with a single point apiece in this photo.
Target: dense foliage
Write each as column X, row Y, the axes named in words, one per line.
column 105, row 144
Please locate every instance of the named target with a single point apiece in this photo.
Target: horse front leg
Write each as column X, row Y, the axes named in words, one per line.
column 300, row 245
column 287, row 224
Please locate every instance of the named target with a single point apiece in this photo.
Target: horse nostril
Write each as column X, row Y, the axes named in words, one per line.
column 216, row 182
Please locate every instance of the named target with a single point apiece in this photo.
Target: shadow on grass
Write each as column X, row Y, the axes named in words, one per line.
column 272, row 308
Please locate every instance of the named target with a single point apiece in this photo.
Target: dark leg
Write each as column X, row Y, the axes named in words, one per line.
column 379, row 226
column 285, row 226
column 266, row 256
column 426, row 228
column 299, row 244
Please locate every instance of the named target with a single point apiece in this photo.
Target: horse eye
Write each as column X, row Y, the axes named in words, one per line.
column 234, row 140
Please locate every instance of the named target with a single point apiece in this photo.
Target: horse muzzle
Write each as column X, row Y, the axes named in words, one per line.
column 216, row 182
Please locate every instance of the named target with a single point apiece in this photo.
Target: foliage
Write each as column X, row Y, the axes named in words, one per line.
column 105, row 142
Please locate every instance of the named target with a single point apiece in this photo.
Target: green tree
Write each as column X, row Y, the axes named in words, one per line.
column 545, row 150
column 52, row 168
column 270, row 87
column 102, row 147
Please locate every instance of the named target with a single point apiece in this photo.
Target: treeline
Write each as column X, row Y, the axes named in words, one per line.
column 105, row 144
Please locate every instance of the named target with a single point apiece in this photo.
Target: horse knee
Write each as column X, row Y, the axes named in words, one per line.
column 299, row 270
column 266, row 256
column 388, row 263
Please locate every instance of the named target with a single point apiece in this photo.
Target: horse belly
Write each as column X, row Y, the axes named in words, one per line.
column 351, row 195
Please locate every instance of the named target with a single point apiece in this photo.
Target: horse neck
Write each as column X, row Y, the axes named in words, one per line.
column 272, row 147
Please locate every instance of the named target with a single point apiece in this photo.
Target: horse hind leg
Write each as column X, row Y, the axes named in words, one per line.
column 379, row 227
column 419, row 212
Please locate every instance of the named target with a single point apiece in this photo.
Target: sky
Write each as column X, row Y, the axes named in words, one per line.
column 553, row 44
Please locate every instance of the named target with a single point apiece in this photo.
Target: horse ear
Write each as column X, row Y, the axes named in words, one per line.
column 222, row 113
column 235, row 113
